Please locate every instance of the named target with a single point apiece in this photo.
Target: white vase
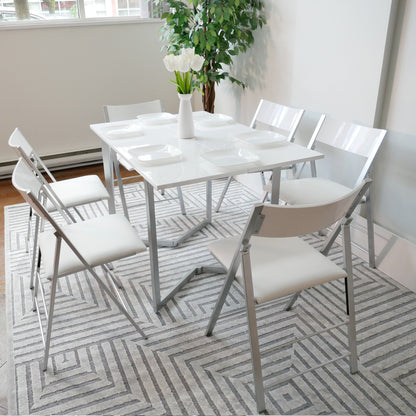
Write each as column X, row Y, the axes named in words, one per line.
column 185, row 119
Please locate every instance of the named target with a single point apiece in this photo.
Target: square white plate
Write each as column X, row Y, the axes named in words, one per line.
column 261, row 138
column 123, row 131
column 231, row 157
column 155, row 154
column 201, row 115
column 155, row 119
column 215, row 120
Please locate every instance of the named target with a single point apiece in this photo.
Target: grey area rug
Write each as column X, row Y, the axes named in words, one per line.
column 100, row 365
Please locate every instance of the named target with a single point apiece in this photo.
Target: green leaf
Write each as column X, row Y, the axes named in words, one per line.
column 218, row 29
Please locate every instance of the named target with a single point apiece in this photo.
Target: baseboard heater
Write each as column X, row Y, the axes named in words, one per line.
column 60, row 161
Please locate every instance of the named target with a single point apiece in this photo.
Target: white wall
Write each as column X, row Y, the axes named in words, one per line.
column 395, row 191
column 327, row 55
column 54, row 81
column 322, row 55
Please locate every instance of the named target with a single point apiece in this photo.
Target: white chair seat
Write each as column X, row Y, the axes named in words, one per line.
column 74, row 247
column 310, row 191
column 270, row 260
column 276, row 266
column 99, row 240
column 357, row 144
column 78, row 191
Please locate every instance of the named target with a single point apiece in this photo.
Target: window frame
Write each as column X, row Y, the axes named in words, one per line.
column 82, row 20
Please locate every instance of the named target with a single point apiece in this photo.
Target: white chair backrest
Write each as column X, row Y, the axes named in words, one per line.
column 34, row 191
column 130, row 111
column 309, row 127
column 29, row 186
column 288, row 221
column 18, row 141
column 353, row 138
column 24, row 150
column 24, row 179
column 281, row 118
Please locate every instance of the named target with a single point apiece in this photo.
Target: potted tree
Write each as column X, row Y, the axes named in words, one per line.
column 217, row 29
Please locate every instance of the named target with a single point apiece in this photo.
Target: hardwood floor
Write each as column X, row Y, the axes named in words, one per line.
column 9, row 196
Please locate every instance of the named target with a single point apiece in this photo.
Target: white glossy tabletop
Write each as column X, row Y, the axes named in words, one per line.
column 198, row 159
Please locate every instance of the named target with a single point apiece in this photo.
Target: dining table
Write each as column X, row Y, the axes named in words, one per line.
column 221, row 147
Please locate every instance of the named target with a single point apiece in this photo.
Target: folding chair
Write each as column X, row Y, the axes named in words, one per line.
column 74, row 247
column 128, row 112
column 270, row 261
column 70, row 193
column 346, row 139
column 276, row 117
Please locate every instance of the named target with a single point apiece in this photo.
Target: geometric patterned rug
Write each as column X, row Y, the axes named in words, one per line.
column 100, row 365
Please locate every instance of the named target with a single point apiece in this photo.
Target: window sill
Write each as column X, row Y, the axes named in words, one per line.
column 99, row 21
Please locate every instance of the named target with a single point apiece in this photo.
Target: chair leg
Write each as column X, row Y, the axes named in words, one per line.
column 29, row 222
column 264, row 197
column 224, row 191
column 352, row 336
column 263, row 179
column 181, row 201
column 117, row 302
column 291, row 301
column 35, row 251
column 331, row 237
column 253, row 335
column 36, row 283
column 120, row 187
column 220, row 302
column 370, row 230
column 52, row 301
column 49, row 327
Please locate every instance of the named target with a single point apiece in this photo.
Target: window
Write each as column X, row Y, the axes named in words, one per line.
column 71, row 9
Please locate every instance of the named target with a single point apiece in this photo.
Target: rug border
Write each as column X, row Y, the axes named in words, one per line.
column 12, row 388
column 11, row 393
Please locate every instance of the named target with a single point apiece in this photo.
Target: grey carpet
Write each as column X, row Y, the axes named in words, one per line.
column 100, row 365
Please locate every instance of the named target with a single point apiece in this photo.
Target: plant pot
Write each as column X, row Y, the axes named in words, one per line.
column 185, row 119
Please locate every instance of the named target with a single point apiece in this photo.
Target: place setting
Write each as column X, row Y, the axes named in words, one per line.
column 157, row 119
column 261, row 138
column 152, row 154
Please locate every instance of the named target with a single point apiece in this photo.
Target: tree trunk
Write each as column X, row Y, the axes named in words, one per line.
column 208, row 99
column 22, row 9
column 50, row 4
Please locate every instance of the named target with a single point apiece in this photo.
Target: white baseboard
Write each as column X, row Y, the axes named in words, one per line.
column 60, row 161
column 395, row 256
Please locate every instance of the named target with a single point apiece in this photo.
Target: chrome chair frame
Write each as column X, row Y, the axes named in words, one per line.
column 261, row 223
column 35, row 192
column 351, row 138
column 26, row 152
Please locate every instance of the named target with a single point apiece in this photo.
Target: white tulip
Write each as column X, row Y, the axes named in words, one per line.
column 197, row 62
column 184, row 62
column 170, row 62
column 188, row 52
